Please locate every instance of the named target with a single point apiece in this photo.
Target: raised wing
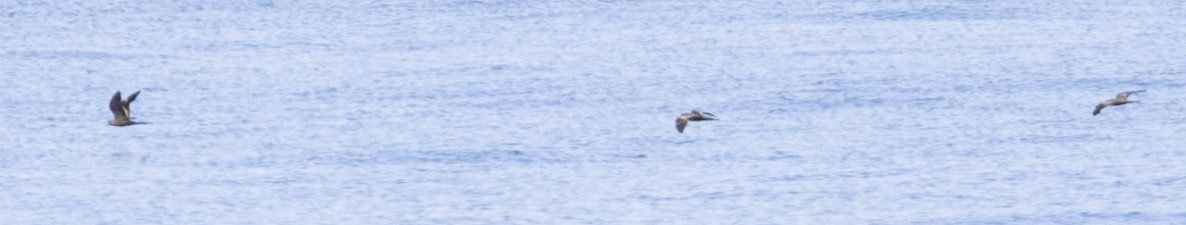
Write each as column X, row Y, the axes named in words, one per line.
column 132, row 98
column 127, row 104
column 117, row 107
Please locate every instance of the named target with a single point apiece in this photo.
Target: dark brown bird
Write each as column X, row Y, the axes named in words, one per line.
column 695, row 115
column 120, row 109
column 1121, row 99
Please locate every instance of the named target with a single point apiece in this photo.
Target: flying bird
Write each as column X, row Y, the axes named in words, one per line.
column 120, row 109
column 695, row 115
column 1121, row 99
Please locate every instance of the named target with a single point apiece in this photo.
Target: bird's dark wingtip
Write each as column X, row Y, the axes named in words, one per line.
column 132, row 97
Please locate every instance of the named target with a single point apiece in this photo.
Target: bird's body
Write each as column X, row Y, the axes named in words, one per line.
column 120, row 109
column 695, row 115
column 1121, row 99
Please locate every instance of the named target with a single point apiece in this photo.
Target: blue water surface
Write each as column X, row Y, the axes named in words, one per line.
column 562, row 112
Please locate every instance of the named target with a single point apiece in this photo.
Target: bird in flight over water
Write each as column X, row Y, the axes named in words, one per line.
column 1121, row 99
column 120, row 109
column 695, row 115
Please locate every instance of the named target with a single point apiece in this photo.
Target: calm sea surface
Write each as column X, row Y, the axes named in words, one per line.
column 562, row 112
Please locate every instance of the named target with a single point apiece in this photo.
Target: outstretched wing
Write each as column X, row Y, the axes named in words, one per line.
column 680, row 123
column 1127, row 93
column 117, row 108
column 1097, row 109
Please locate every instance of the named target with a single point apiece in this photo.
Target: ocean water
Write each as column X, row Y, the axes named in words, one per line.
column 562, row 112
